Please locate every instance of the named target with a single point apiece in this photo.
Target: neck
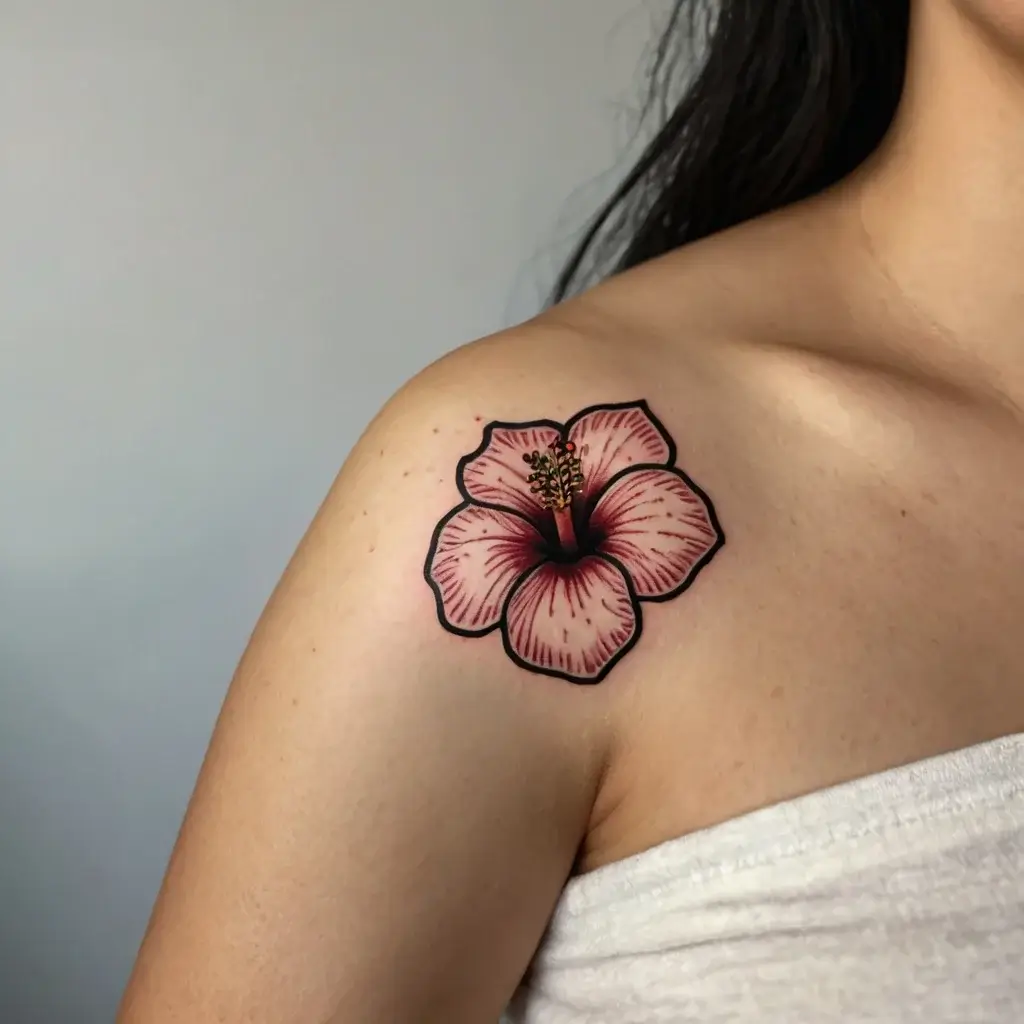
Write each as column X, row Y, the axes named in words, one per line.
column 942, row 202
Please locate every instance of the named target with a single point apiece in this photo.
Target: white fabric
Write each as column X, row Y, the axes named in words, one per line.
column 898, row 897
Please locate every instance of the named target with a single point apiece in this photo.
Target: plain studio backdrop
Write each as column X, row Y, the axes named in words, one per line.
column 229, row 229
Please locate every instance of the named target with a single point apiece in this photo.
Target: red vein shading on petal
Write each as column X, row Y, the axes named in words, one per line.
column 497, row 476
column 571, row 619
column 613, row 439
column 478, row 556
column 657, row 526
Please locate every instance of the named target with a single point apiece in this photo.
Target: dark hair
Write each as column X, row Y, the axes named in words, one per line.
column 788, row 97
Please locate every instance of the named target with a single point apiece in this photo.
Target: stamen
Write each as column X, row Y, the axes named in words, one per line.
column 557, row 475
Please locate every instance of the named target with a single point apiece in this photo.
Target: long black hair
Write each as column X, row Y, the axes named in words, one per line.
column 788, row 97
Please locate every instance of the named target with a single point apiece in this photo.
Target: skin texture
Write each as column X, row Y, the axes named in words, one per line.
column 388, row 810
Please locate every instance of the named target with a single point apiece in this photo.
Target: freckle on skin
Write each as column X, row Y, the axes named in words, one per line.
column 903, row 513
column 437, row 430
column 479, row 419
column 406, row 473
column 778, row 692
column 295, row 702
column 372, row 549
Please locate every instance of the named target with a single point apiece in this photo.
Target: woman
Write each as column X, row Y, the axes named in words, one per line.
column 670, row 642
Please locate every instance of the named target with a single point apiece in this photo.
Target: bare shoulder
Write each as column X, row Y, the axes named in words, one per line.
column 530, row 550
column 406, row 763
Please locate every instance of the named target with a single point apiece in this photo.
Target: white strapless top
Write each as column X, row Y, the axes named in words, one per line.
column 898, row 897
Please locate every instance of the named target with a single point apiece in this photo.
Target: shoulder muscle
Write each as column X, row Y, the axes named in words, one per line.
column 407, row 758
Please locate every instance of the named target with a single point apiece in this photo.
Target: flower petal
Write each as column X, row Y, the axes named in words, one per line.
column 659, row 527
column 613, row 438
column 476, row 556
column 495, row 474
column 572, row 620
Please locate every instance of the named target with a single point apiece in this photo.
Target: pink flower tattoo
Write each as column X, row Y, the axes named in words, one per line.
column 565, row 530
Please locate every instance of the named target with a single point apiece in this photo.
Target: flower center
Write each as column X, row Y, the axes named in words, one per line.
column 556, row 479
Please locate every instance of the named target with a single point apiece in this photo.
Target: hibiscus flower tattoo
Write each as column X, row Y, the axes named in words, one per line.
column 565, row 530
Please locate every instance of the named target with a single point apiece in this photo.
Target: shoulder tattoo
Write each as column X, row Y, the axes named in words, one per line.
column 564, row 531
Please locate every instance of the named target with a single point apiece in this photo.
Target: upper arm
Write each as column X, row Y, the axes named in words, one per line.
column 389, row 806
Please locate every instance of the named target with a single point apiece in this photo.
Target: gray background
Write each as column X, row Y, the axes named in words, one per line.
column 228, row 231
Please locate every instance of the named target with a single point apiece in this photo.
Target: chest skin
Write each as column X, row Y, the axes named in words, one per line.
column 867, row 610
